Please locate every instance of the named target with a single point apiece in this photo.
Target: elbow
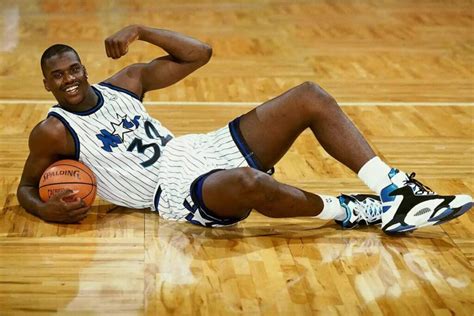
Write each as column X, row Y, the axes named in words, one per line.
column 19, row 193
column 20, row 196
column 207, row 53
column 199, row 55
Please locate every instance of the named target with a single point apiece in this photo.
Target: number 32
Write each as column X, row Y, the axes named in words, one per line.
column 152, row 133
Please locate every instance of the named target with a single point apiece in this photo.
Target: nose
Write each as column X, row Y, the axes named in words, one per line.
column 69, row 77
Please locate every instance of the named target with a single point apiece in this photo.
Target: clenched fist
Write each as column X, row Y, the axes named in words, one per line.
column 117, row 44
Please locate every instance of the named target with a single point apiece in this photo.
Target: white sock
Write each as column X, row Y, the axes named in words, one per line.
column 375, row 174
column 332, row 209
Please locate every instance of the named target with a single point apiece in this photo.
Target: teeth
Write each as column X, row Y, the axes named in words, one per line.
column 70, row 89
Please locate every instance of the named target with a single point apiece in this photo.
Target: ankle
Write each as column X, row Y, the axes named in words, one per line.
column 332, row 209
column 375, row 174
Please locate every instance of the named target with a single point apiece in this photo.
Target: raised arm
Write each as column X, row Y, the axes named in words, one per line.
column 186, row 54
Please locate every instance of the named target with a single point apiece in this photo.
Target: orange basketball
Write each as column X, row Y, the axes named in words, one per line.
column 68, row 174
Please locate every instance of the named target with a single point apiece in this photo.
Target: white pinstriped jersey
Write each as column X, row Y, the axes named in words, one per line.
column 121, row 143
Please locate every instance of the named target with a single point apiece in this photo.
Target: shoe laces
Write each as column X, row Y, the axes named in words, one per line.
column 369, row 210
column 418, row 187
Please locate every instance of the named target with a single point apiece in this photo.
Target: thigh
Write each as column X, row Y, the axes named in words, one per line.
column 270, row 129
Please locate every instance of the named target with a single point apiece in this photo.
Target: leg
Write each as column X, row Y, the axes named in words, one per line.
column 271, row 128
column 231, row 193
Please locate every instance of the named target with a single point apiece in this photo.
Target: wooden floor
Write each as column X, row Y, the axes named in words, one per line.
column 403, row 71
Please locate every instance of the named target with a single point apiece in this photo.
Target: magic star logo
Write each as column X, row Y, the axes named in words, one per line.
column 116, row 135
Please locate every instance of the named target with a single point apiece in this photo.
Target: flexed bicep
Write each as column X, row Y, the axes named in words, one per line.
column 165, row 71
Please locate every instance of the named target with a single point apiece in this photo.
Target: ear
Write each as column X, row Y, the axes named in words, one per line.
column 85, row 72
column 46, row 86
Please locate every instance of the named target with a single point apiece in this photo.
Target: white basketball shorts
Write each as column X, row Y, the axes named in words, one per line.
column 185, row 163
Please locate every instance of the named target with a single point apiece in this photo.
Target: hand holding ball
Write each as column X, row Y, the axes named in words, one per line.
column 68, row 174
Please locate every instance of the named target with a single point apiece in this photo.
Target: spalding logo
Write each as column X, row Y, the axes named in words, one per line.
column 70, row 173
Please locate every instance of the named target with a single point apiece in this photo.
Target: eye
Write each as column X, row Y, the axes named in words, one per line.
column 57, row 75
column 76, row 69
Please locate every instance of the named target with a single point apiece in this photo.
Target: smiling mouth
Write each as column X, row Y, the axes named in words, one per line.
column 72, row 90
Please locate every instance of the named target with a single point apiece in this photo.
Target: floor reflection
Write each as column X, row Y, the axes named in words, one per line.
column 377, row 266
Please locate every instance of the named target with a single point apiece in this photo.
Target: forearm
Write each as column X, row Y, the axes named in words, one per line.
column 29, row 199
column 181, row 47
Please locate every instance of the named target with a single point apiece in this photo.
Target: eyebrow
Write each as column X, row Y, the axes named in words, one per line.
column 60, row 70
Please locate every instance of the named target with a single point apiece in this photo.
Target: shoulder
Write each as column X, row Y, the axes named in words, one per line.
column 129, row 78
column 51, row 128
column 51, row 135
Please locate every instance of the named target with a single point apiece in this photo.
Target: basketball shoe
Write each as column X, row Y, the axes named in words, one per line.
column 408, row 204
column 361, row 210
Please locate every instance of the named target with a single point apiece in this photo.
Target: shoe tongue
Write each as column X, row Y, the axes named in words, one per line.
column 400, row 179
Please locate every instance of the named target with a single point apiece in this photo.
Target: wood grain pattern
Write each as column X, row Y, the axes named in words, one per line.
column 131, row 262
column 359, row 50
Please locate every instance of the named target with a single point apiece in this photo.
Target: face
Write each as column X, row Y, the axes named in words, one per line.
column 66, row 78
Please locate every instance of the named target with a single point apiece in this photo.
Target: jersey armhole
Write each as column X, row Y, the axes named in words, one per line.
column 71, row 131
column 116, row 88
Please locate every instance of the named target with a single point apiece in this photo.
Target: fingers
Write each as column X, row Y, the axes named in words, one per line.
column 110, row 49
column 115, row 48
column 74, row 204
column 107, row 49
column 77, row 215
column 80, row 211
column 65, row 207
column 69, row 216
column 116, row 45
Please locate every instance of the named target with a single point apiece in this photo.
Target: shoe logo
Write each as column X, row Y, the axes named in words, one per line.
column 422, row 211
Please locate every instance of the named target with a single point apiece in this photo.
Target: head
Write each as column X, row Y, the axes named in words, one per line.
column 64, row 75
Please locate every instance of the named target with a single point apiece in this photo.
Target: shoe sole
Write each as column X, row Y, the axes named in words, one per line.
column 440, row 219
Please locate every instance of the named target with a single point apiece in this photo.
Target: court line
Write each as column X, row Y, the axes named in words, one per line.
column 226, row 103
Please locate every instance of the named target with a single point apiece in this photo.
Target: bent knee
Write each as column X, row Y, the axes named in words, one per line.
column 314, row 98
column 253, row 183
column 313, row 91
column 249, row 179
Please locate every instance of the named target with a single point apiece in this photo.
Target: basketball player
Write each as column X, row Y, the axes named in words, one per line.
column 212, row 179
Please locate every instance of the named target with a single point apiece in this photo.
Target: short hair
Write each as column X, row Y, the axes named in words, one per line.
column 54, row 50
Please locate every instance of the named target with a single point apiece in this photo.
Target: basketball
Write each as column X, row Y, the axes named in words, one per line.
column 68, row 174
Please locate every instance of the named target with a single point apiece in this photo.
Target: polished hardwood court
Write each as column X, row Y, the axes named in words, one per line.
column 402, row 70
